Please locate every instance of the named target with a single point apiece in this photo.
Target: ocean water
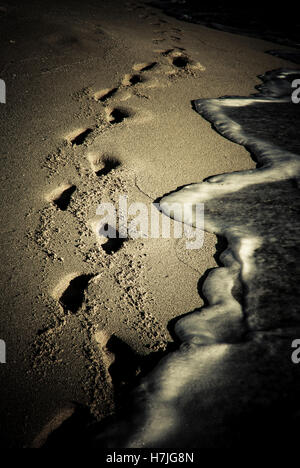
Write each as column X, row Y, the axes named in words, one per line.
column 290, row 55
column 257, row 210
column 232, row 381
column 273, row 22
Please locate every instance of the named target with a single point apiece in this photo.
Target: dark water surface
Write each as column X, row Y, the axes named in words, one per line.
column 274, row 21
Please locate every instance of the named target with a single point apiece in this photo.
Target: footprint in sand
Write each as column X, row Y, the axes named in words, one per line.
column 70, row 291
column 132, row 80
column 104, row 164
column 159, row 40
column 117, row 115
column 180, row 60
column 78, row 137
column 129, row 80
column 122, row 364
column 61, row 196
column 177, row 30
column 142, row 67
column 72, row 298
column 105, row 94
column 112, row 244
column 165, row 52
column 108, row 237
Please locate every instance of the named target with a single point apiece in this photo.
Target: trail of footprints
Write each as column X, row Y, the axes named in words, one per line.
column 72, row 297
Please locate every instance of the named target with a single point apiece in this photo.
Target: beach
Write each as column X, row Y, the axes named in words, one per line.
column 98, row 106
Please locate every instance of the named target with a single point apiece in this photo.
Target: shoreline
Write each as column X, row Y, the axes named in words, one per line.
column 60, row 62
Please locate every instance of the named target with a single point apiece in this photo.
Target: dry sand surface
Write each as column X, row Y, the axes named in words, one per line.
column 99, row 105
